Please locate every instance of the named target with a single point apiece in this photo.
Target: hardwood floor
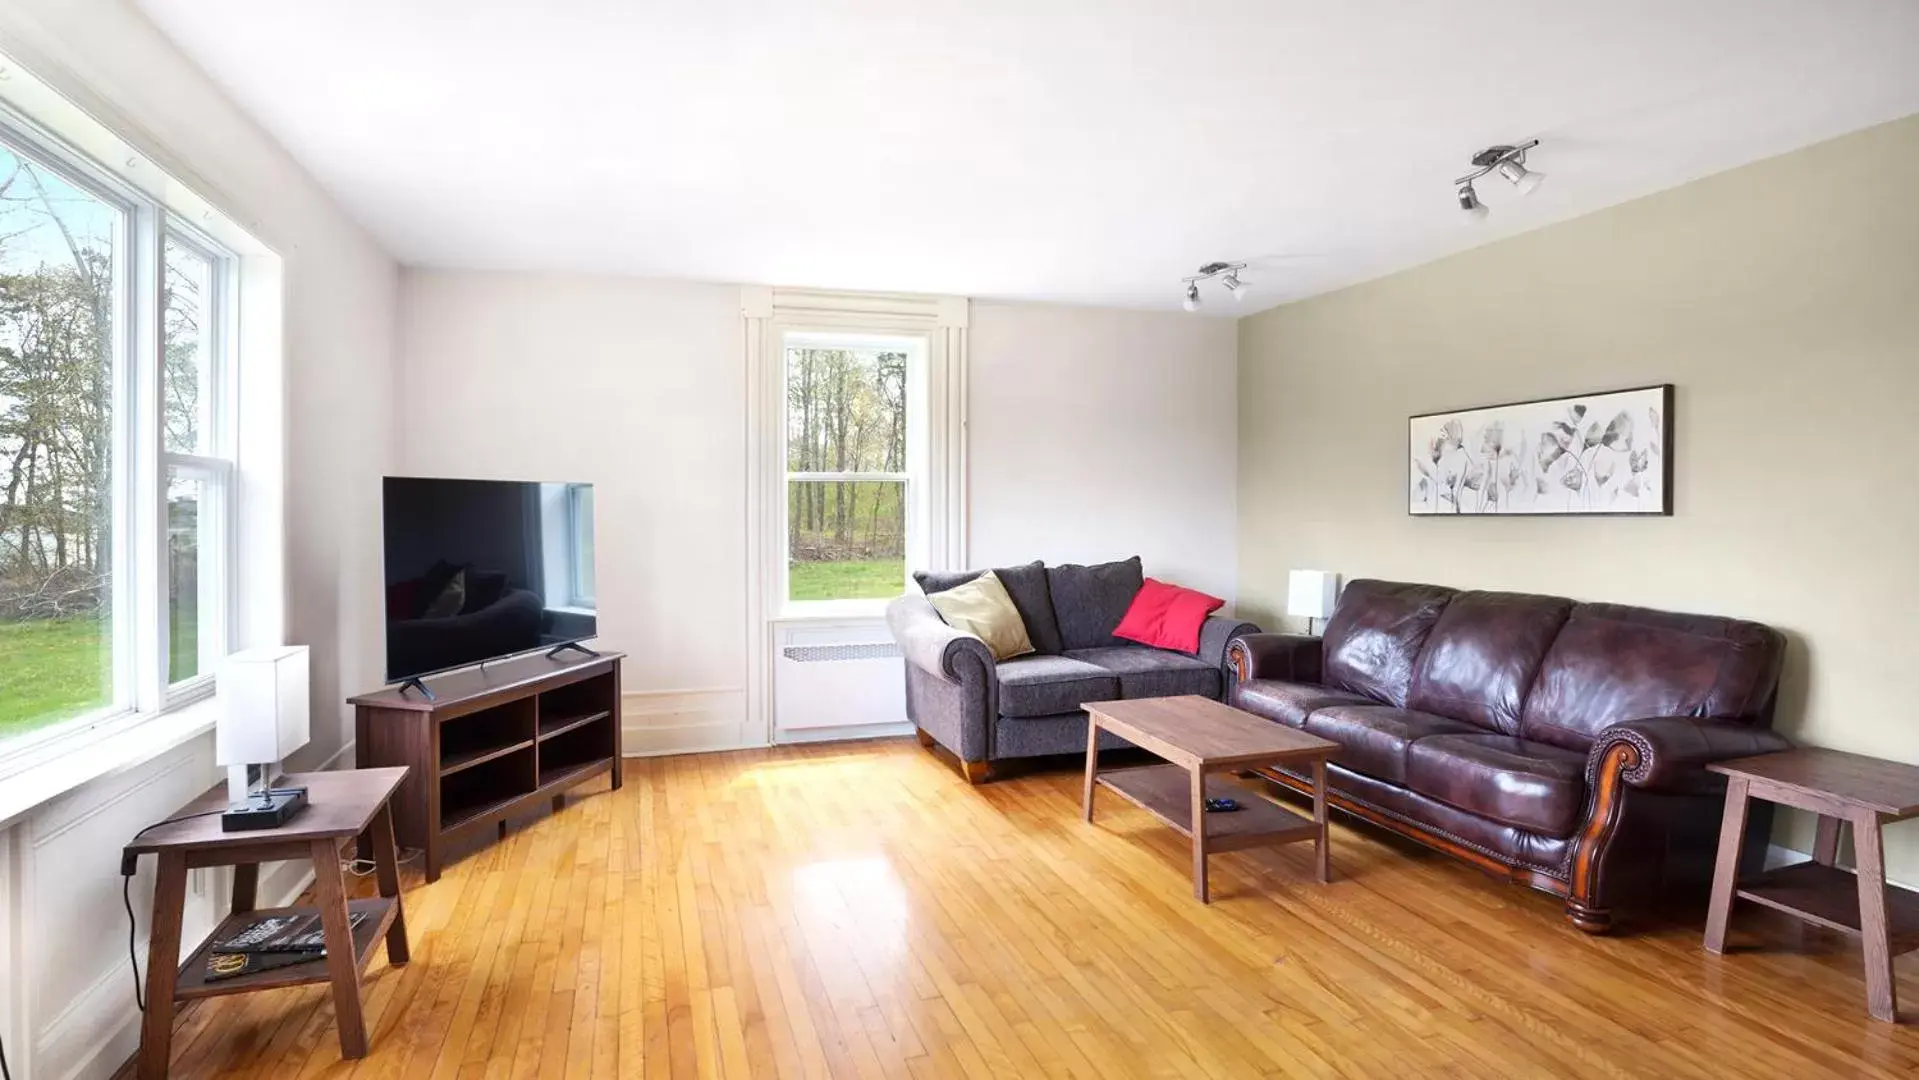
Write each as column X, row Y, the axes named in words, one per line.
column 859, row 911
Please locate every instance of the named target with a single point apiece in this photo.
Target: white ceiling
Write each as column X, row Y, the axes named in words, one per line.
column 1090, row 151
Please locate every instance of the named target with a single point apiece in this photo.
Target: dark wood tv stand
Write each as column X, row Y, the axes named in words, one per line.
column 492, row 743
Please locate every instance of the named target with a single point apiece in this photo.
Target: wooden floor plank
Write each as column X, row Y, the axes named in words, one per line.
column 858, row 910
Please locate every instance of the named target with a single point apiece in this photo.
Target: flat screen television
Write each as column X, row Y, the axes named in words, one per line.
column 482, row 569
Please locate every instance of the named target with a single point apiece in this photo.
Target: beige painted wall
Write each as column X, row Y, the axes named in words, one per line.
column 1781, row 298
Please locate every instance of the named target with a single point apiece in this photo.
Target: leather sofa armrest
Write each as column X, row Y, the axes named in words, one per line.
column 1289, row 657
column 1670, row 753
column 1216, row 633
column 932, row 646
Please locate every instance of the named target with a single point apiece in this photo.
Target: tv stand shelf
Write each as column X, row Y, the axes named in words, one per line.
column 492, row 743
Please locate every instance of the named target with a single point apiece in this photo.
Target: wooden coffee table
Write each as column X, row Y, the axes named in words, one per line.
column 1199, row 737
column 1866, row 793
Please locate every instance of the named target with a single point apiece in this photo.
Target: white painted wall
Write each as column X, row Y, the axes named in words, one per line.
column 639, row 388
column 66, row 1007
column 1098, row 433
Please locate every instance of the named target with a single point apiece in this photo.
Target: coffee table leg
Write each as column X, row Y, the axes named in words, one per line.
column 1825, row 846
column 1199, row 836
column 1882, row 999
column 1092, row 761
column 1322, row 854
column 1725, row 875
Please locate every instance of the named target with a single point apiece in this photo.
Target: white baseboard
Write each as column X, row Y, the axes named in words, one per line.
column 852, row 733
column 656, row 723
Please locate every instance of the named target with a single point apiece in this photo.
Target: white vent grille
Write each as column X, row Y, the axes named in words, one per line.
column 826, row 654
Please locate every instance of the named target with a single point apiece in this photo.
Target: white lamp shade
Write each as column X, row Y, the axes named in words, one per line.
column 264, row 705
column 1310, row 594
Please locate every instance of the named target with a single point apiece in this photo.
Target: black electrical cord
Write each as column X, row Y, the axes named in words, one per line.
column 5, row 1073
column 127, row 867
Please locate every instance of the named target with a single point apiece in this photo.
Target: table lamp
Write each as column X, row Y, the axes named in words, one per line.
column 263, row 696
column 1311, row 594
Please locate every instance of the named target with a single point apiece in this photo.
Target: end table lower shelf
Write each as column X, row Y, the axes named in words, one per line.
column 379, row 911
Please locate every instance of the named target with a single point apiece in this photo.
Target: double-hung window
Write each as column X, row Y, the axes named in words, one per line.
column 855, row 464
column 117, row 341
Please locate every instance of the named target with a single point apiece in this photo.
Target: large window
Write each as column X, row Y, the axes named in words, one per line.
column 852, row 473
column 115, row 461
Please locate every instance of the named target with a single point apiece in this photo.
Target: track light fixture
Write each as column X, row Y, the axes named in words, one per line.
column 1228, row 275
column 1509, row 162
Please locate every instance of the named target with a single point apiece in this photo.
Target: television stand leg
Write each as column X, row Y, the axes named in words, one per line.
column 556, row 650
column 415, row 682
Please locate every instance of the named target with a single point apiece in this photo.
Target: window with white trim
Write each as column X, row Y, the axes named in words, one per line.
column 117, row 335
column 855, row 464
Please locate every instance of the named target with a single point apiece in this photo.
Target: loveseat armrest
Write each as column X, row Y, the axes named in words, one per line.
column 1670, row 753
column 1217, row 632
column 1289, row 657
column 932, row 646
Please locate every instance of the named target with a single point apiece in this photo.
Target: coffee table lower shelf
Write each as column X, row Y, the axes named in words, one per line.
column 1166, row 792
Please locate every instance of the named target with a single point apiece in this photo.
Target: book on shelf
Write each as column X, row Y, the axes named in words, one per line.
column 270, row 942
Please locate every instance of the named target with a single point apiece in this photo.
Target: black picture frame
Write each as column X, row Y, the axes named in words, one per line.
column 1665, row 448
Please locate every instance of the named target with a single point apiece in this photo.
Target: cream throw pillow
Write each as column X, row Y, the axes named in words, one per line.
column 982, row 608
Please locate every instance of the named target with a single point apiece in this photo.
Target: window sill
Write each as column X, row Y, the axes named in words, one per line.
column 103, row 753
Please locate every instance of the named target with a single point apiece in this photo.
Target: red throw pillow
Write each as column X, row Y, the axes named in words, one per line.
column 1167, row 616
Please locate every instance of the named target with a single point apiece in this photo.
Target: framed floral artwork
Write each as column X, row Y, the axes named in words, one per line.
column 1606, row 453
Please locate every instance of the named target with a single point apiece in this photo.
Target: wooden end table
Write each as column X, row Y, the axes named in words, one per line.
column 1842, row 789
column 341, row 806
column 1199, row 737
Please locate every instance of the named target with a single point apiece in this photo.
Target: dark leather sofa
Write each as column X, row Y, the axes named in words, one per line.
column 1561, row 744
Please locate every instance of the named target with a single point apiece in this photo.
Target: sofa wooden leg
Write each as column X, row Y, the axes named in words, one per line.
column 925, row 739
column 1591, row 920
column 976, row 772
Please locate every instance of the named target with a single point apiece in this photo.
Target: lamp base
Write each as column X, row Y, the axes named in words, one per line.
column 269, row 811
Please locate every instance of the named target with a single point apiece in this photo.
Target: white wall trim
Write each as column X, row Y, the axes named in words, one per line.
column 855, row 733
column 657, row 723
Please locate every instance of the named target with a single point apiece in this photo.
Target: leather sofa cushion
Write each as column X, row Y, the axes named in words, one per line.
column 1482, row 655
column 1289, row 702
column 1528, row 785
column 1036, row 685
column 1089, row 601
column 1613, row 663
column 1144, row 672
column 1028, row 587
column 1374, row 739
column 1543, row 853
column 1375, row 635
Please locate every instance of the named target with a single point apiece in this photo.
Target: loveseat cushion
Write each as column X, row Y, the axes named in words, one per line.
column 1036, row 685
column 1374, row 739
column 1089, row 601
column 1289, row 702
column 1612, row 663
column 1529, row 785
column 1375, row 634
column 1145, row 672
column 1026, row 584
column 1482, row 655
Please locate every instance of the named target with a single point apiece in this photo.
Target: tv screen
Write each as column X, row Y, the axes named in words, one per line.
column 480, row 569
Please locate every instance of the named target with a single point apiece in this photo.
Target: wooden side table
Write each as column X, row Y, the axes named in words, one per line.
column 1200, row 737
column 341, row 805
column 1842, row 789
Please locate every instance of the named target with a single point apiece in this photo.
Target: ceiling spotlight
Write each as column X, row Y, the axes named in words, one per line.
column 1228, row 275
column 1509, row 162
column 1519, row 176
column 1469, row 201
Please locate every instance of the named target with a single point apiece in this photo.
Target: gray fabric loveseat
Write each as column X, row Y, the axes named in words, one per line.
column 984, row 712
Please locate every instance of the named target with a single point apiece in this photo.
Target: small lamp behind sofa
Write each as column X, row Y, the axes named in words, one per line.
column 1311, row 594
